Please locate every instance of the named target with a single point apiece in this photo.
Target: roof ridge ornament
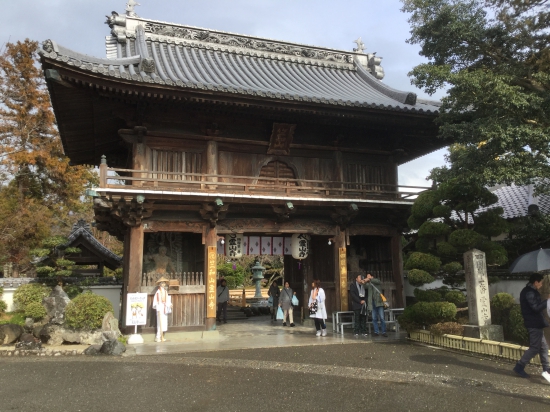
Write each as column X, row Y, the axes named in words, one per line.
column 360, row 46
column 130, row 5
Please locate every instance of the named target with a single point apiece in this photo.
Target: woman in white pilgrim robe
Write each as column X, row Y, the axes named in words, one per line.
column 162, row 303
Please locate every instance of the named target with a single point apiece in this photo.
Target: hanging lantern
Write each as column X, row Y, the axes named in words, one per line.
column 300, row 246
column 234, row 245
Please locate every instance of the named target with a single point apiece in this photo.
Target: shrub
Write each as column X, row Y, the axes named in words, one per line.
column 226, row 271
column 87, row 311
column 423, row 261
column 433, row 229
column 72, row 290
column 446, row 250
column 424, row 204
column 502, row 301
column 447, row 328
column 31, row 292
column 501, row 304
column 427, row 295
column 424, row 244
column 517, row 331
column 452, row 268
column 455, row 296
column 429, row 313
column 464, row 239
column 3, row 306
column 35, row 311
column 419, row 277
column 442, row 211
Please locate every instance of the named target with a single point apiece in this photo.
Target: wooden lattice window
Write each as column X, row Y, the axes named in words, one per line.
column 369, row 177
column 277, row 170
column 175, row 161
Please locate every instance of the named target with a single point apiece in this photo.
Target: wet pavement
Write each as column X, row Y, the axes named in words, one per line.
column 258, row 332
column 255, row 366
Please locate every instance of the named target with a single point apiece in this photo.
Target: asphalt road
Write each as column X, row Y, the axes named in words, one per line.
column 396, row 376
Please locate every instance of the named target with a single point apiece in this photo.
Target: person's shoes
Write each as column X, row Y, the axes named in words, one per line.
column 157, row 339
column 324, row 332
column 356, row 335
column 546, row 375
column 520, row 370
column 292, row 325
column 318, row 333
column 375, row 334
column 365, row 334
column 385, row 335
column 284, row 323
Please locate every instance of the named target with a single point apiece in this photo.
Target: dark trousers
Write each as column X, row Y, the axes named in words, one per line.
column 319, row 324
column 537, row 346
column 222, row 307
column 360, row 326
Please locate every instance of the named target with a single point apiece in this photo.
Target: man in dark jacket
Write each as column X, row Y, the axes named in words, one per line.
column 357, row 293
column 532, row 307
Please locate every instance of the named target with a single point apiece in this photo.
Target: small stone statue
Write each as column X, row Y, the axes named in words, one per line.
column 130, row 8
column 163, row 263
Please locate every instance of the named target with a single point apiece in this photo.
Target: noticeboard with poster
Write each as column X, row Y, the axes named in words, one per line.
column 136, row 309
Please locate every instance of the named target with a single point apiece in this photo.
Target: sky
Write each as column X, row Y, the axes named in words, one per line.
column 79, row 25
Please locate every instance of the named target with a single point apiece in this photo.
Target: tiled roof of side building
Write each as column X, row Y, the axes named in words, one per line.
column 515, row 201
column 143, row 50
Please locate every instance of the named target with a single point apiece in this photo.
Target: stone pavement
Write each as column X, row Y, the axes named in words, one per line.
column 257, row 332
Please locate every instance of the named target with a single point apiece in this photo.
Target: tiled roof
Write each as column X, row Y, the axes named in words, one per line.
column 148, row 51
column 515, row 201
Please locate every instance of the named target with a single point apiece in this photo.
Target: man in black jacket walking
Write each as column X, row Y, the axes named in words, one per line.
column 358, row 296
column 532, row 307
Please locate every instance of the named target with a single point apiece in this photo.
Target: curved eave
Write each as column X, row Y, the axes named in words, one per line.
column 322, row 88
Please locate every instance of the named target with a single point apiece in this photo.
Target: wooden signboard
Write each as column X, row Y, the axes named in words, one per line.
column 343, row 278
column 211, row 283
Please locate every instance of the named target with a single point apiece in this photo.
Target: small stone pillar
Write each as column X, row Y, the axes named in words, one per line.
column 479, row 309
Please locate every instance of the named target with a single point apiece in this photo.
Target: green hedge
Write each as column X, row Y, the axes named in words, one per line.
column 423, row 261
column 427, row 313
column 35, row 311
column 419, row 277
column 427, row 295
column 455, row 296
column 29, row 293
column 87, row 311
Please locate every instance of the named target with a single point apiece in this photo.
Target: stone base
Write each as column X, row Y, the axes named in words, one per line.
column 135, row 339
column 490, row 332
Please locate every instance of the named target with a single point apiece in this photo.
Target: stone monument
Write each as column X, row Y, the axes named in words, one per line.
column 479, row 309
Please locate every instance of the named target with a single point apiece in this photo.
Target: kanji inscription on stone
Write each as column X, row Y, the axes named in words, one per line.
column 477, row 287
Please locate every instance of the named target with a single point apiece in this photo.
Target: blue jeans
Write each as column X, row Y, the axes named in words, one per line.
column 378, row 315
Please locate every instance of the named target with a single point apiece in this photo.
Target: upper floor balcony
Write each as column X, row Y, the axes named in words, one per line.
column 160, row 184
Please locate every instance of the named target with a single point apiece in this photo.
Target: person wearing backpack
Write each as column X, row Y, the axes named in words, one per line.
column 285, row 302
column 375, row 304
column 223, row 298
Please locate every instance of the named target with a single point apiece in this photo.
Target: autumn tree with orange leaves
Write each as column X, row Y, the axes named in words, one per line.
column 41, row 194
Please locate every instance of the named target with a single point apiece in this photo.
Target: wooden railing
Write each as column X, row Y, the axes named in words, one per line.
column 116, row 178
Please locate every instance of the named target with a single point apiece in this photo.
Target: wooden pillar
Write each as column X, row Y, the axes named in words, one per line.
column 138, row 162
column 133, row 264
column 210, row 243
column 341, row 271
column 212, row 162
column 397, row 266
column 339, row 168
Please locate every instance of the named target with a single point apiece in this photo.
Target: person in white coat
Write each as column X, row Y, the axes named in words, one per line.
column 162, row 303
column 317, row 309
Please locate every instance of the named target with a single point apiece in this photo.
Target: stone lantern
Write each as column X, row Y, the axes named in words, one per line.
column 258, row 276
